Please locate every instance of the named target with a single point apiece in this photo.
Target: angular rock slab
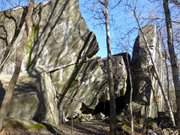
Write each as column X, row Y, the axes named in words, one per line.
column 146, row 88
column 60, row 38
column 91, row 86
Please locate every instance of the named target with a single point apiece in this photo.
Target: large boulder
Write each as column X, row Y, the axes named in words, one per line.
column 25, row 100
column 60, row 60
column 60, row 39
column 91, row 84
column 147, row 92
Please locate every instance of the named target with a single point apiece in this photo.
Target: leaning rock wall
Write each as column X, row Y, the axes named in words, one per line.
column 90, row 85
column 60, row 38
column 60, row 63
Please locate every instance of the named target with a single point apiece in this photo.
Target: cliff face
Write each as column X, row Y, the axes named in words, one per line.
column 60, row 70
column 60, row 35
column 60, row 38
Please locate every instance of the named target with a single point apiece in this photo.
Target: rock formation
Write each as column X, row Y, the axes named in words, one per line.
column 61, row 45
column 146, row 88
column 61, row 71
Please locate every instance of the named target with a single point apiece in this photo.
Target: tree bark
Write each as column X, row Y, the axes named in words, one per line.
column 171, row 49
column 131, row 94
column 109, row 71
column 10, row 90
column 19, row 58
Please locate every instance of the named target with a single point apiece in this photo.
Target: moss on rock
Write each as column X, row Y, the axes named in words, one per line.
column 27, row 126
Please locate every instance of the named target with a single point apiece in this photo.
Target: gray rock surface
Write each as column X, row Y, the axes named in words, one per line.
column 60, row 60
column 146, row 87
column 62, row 68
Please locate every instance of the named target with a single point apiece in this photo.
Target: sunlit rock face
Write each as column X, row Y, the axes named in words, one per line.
column 146, row 87
column 91, row 87
column 60, row 39
column 60, row 35
column 60, row 61
column 63, row 70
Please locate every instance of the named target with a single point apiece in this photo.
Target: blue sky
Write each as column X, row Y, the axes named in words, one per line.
column 6, row 4
column 123, row 27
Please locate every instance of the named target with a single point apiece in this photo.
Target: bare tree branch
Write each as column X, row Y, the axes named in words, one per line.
column 155, row 70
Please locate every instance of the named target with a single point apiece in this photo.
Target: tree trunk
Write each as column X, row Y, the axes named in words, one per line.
column 131, row 94
column 10, row 90
column 155, row 71
column 171, row 49
column 109, row 71
column 19, row 58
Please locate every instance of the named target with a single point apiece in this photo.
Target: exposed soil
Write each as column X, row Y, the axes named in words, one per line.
column 85, row 128
column 101, row 128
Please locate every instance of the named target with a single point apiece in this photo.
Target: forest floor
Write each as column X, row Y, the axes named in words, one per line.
column 89, row 128
column 97, row 127
column 102, row 128
column 85, row 128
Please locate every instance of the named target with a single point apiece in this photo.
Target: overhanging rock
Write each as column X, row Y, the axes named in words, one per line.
column 60, row 60
column 60, row 37
column 90, row 85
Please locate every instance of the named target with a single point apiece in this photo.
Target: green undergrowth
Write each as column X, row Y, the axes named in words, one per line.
column 23, row 125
